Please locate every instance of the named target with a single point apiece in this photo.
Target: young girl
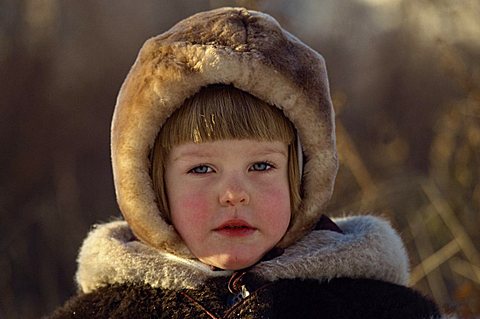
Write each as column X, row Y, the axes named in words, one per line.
column 223, row 151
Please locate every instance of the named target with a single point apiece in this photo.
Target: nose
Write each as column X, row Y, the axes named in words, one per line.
column 234, row 195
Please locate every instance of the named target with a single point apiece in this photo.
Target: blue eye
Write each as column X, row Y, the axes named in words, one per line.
column 201, row 169
column 261, row 166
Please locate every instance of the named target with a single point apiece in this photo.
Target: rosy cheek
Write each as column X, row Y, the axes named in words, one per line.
column 276, row 200
column 276, row 192
column 194, row 205
column 189, row 215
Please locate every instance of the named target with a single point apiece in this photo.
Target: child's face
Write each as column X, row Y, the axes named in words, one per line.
column 229, row 200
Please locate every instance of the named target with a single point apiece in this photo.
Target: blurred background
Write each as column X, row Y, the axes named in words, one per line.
column 405, row 78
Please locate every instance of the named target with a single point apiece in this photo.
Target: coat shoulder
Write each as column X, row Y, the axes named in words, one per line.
column 351, row 298
column 114, row 301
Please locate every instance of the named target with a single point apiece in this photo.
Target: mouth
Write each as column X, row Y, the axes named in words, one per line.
column 235, row 228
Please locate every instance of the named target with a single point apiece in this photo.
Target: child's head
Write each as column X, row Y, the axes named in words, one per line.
column 226, row 174
column 170, row 85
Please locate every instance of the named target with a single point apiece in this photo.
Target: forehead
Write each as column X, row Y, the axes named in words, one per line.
column 245, row 147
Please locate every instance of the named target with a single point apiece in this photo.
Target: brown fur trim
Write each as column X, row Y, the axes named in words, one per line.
column 233, row 46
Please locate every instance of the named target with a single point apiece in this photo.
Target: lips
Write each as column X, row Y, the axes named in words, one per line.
column 235, row 228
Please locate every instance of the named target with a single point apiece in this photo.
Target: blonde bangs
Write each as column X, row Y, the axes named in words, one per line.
column 220, row 112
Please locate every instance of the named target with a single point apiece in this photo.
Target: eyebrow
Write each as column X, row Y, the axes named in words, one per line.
column 192, row 154
column 271, row 150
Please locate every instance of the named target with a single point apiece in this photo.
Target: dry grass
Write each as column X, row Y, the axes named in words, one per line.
column 437, row 212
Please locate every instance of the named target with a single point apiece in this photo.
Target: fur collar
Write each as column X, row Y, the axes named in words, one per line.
column 369, row 248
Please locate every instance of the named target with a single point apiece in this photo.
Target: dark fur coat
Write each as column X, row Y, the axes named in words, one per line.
column 289, row 298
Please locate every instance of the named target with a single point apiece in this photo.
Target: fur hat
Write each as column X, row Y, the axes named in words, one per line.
column 250, row 51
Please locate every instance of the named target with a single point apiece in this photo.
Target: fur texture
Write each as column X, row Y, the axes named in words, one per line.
column 369, row 248
column 341, row 298
column 232, row 46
